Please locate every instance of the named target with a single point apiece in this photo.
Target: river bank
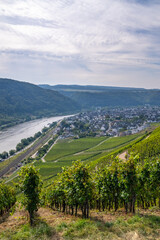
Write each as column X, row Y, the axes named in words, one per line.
column 10, row 137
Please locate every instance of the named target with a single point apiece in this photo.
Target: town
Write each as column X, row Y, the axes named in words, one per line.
column 108, row 122
column 112, row 122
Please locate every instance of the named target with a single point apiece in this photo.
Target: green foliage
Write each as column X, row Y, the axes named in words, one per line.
column 72, row 189
column 7, row 198
column 120, row 184
column 4, row 155
column 44, row 149
column 135, row 227
column 129, row 184
column 30, row 185
column 12, row 152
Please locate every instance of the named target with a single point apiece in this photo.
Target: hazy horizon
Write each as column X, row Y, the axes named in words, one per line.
column 78, row 84
column 105, row 43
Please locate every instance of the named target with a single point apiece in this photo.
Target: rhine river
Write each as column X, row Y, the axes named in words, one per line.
column 10, row 137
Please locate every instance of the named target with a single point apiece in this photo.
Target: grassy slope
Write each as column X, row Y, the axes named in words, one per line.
column 55, row 225
column 86, row 149
column 101, row 226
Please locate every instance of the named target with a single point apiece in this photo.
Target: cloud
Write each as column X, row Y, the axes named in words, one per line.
column 81, row 40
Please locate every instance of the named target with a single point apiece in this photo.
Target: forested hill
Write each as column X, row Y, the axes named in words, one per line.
column 23, row 100
column 101, row 96
column 89, row 88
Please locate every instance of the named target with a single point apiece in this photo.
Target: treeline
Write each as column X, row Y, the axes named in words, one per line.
column 25, row 142
column 7, row 198
column 43, row 150
column 125, row 185
column 149, row 147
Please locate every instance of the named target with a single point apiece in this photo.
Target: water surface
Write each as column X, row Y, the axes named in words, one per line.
column 10, row 137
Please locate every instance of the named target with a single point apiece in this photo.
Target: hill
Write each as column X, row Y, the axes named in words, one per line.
column 122, row 194
column 101, row 96
column 21, row 100
column 85, row 87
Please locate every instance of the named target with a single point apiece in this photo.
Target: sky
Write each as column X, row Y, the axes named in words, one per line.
column 86, row 42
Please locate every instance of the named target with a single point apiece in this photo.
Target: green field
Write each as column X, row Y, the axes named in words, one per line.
column 89, row 150
column 68, row 147
column 113, row 142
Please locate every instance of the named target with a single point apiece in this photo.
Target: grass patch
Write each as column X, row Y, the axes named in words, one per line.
column 41, row 231
column 55, row 225
column 136, row 227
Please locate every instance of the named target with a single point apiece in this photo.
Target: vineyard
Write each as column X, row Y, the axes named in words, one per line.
column 149, row 147
column 122, row 185
column 84, row 188
column 88, row 150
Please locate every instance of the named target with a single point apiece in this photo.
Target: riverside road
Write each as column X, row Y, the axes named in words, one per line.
column 29, row 152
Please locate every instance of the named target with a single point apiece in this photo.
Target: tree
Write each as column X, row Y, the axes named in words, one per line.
column 12, row 152
column 30, row 184
column 4, row 155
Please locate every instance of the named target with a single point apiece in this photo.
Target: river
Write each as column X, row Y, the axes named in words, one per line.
column 10, row 137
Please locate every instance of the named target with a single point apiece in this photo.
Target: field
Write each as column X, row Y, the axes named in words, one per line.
column 113, row 142
column 90, row 150
column 69, row 147
column 64, row 152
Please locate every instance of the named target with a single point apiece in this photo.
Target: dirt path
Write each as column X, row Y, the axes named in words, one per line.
column 147, row 136
column 122, row 155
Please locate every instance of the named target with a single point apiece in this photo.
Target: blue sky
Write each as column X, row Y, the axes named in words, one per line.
column 100, row 42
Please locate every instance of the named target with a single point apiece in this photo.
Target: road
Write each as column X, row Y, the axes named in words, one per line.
column 29, row 152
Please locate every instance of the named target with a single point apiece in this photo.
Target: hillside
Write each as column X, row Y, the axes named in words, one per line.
column 21, row 100
column 101, row 96
column 112, row 192
column 149, row 147
column 120, row 197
